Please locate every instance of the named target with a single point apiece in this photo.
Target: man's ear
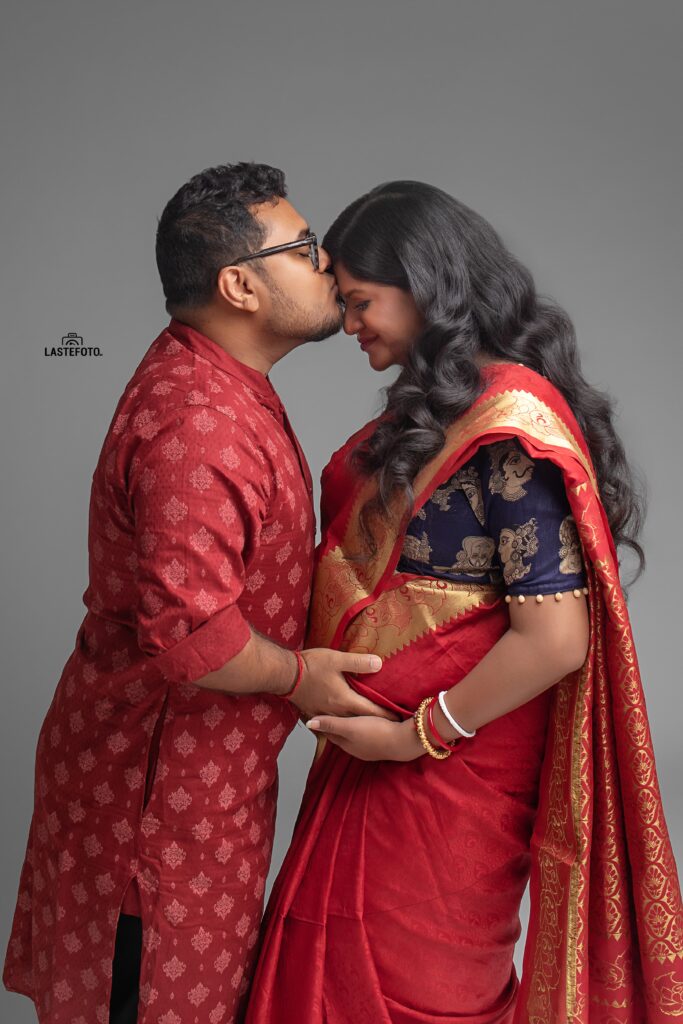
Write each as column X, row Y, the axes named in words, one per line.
column 236, row 285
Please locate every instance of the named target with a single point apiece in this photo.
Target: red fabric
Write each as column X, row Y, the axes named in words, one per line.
column 398, row 900
column 200, row 524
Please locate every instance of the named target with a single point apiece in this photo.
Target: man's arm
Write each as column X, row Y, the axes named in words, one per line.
column 197, row 519
column 262, row 666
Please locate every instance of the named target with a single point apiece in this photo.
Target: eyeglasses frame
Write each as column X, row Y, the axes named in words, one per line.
column 310, row 240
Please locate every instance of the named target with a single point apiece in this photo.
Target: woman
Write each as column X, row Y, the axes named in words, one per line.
column 469, row 538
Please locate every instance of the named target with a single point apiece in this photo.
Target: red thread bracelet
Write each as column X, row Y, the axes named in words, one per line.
column 301, row 665
column 434, row 731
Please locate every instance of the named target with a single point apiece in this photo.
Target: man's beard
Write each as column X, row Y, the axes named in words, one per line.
column 290, row 320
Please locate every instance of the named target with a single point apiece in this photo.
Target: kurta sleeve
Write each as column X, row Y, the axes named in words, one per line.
column 529, row 519
column 198, row 497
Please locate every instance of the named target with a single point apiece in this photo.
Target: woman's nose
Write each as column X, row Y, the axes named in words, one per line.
column 351, row 323
column 324, row 260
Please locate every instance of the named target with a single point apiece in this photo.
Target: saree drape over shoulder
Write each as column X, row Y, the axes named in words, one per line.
column 398, row 902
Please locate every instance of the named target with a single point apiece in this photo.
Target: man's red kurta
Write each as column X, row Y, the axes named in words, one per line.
column 201, row 523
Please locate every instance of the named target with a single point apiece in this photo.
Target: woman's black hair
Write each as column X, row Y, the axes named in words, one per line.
column 476, row 299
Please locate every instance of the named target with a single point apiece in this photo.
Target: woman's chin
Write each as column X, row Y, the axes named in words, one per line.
column 380, row 361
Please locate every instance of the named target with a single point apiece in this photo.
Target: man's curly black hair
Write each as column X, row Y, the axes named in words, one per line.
column 207, row 225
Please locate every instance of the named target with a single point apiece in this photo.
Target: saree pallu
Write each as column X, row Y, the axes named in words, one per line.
column 398, row 901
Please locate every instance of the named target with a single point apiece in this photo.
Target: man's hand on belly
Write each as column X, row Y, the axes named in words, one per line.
column 324, row 690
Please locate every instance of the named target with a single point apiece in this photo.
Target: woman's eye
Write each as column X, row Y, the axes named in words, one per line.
column 362, row 305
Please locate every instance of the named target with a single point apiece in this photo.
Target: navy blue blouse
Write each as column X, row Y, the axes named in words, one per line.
column 502, row 518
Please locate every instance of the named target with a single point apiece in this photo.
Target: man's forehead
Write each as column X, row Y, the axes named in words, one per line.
column 282, row 222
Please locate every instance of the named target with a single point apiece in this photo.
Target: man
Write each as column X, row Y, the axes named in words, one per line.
column 156, row 776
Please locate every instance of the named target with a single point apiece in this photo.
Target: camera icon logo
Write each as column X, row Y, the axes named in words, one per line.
column 72, row 339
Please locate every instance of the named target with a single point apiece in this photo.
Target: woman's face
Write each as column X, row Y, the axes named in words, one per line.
column 385, row 319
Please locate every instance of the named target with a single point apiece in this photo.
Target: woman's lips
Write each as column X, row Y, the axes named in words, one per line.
column 365, row 340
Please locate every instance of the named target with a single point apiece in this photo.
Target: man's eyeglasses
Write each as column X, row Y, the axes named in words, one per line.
column 310, row 240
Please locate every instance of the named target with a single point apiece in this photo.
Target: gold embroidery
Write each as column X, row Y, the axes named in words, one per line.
column 562, row 918
column 441, row 496
column 571, row 562
column 609, row 864
column 402, row 615
column 519, row 412
column 516, row 544
column 614, row 1004
column 474, row 558
column 618, row 699
column 511, row 468
column 417, row 549
column 615, row 974
column 581, row 797
column 610, row 916
column 662, row 934
column 341, row 583
column 552, row 826
column 669, row 994
column 465, row 480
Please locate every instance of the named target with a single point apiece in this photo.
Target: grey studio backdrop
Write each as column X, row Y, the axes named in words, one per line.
column 558, row 122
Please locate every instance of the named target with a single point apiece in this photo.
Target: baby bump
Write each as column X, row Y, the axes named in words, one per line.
column 445, row 863
column 429, row 633
column 438, row 827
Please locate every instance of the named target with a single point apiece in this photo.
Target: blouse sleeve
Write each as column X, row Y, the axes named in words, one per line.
column 529, row 518
column 197, row 506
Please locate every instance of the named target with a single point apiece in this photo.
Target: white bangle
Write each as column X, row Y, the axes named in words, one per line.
column 452, row 721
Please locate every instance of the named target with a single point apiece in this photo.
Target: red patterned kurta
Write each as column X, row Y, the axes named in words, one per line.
column 200, row 522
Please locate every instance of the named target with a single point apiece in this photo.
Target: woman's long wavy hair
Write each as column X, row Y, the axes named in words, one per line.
column 475, row 299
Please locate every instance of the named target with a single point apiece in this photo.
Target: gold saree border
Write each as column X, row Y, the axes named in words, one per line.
column 405, row 613
column 581, row 797
column 664, row 929
column 516, row 410
column 581, row 704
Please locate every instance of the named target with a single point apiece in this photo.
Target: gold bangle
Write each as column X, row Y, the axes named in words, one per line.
column 439, row 755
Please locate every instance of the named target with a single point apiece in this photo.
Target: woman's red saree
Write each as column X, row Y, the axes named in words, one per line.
column 398, row 900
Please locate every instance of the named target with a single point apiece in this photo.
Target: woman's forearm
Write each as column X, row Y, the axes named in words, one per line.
column 544, row 643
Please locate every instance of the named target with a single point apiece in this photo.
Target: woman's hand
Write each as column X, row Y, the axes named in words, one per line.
column 369, row 738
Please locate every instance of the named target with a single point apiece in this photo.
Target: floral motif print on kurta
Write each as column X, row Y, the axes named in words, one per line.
column 201, row 525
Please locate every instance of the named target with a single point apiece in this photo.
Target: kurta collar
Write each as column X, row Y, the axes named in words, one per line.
column 199, row 343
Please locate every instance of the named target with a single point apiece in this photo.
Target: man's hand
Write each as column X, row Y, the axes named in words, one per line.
column 323, row 690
